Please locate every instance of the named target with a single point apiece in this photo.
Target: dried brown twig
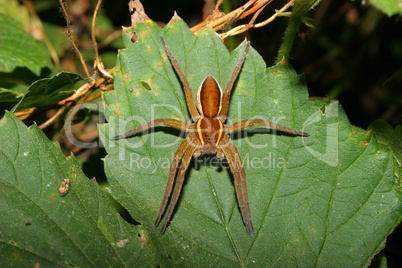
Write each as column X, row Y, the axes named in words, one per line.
column 218, row 20
column 84, row 92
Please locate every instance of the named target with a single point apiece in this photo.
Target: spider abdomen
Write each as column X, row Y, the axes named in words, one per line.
column 209, row 97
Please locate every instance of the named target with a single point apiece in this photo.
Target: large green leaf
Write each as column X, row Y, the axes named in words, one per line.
column 38, row 227
column 327, row 199
column 9, row 96
column 20, row 49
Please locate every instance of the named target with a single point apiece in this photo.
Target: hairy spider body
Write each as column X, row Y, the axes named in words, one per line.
column 209, row 127
column 207, row 135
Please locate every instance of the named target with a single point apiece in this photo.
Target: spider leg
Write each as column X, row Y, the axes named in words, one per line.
column 251, row 122
column 236, row 167
column 168, row 122
column 229, row 86
column 186, row 86
column 180, row 178
column 173, row 167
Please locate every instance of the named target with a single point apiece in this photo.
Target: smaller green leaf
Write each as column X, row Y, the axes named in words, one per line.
column 7, row 96
column 49, row 91
column 16, row 10
column 20, row 49
column 389, row 7
column 39, row 227
column 390, row 140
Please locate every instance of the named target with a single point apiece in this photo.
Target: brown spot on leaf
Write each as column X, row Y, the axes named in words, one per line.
column 64, row 187
column 53, row 197
column 117, row 108
column 125, row 77
column 121, row 243
column 153, row 209
column 149, row 50
column 142, row 36
column 246, row 92
column 15, row 255
column 160, row 64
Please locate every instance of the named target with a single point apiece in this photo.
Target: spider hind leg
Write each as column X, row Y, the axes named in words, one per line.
column 236, row 167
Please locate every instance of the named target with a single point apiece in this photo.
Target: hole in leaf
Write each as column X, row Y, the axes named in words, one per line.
column 323, row 108
column 143, row 239
column 146, row 86
column 133, row 36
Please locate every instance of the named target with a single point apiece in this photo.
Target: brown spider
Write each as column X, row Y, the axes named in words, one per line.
column 208, row 135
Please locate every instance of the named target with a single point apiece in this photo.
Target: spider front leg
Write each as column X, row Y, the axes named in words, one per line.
column 236, row 167
column 251, row 122
column 226, row 94
column 186, row 86
column 168, row 122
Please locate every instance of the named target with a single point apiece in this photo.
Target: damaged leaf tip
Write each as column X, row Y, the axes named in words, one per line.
column 174, row 19
column 139, row 14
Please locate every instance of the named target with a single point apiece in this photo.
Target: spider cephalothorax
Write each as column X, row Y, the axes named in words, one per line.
column 207, row 135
